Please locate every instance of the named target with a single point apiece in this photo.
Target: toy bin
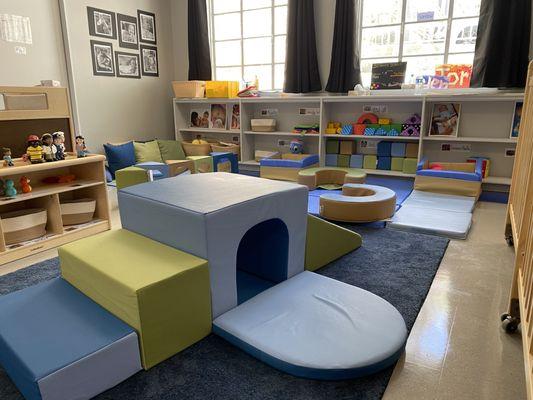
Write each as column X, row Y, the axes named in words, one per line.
column 79, row 211
column 22, row 225
column 221, row 89
column 263, row 125
column 225, row 147
column 196, row 149
column 188, row 89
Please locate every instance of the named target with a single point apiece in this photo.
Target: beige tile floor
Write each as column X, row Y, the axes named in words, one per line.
column 456, row 349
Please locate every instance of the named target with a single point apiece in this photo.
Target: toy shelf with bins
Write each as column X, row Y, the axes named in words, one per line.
column 484, row 125
column 89, row 182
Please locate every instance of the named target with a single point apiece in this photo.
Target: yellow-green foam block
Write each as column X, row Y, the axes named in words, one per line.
column 130, row 176
column 163, row 293
column 326, row 242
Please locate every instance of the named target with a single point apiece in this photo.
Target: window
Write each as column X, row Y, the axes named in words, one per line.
column 424, row 33
column 248, row 40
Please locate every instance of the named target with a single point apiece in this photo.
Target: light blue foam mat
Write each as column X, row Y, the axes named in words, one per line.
column 402, row 187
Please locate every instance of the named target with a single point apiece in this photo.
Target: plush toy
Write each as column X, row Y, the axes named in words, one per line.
column 25, row 184
column 10, row 190
column 81, row 149
column 199, row 140
column 8, row 161
column 48, row 147
column 58, row 146
column 296, row 146
column 34, row 151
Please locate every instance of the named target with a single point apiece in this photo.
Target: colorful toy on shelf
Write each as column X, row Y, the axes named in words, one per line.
column 48, row 147
column 81, row 148
column 303, row 129
column 67, row 178
column 384, row 121
column 58, row 145
column 347, row 130
column 368, row 118
column 411, row 126
column 296, row 146
column 10, row 190
column 25, row 184
column 333, row 128
column 8, row 161
column 34, row 151
column 485, row 164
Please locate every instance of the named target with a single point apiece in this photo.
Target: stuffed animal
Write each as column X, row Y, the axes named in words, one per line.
column 25, row 184
column 10, row 190
column 296, row 146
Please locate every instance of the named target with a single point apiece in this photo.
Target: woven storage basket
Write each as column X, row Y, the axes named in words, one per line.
column 226, row 147
column 22, row 225
column 196, row 149
column 78, row 211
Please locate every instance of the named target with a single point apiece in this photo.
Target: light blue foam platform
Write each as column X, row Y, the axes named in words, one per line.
column 57, row 344
column 316, row 327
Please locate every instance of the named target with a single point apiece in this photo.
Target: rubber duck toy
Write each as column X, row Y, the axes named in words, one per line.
column 58, row 146
column 8, row 161
column 10, row 190
column 34, row 151
column 81, row 149
column 199, row 140
column 48, row 147
column 25, row 184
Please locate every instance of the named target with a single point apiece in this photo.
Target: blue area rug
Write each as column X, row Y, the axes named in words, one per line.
column 395, row 265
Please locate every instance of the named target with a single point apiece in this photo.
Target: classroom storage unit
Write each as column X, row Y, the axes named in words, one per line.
column 480, row 133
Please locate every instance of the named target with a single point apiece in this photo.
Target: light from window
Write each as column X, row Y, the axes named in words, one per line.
column 248, row 38
column 424, row 33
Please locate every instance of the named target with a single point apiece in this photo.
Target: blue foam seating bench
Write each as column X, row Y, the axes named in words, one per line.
column 57, row 344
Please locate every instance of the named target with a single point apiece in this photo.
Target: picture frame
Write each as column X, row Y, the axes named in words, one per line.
column 128, row 35
column 149, row 61
column 200, row 118
column 517, row 117
column 102, row 23
column 235, row 122
column 103, row 59
column 147, row 27
column 387, row 76
column 128, row 65
column 445, row 119
column 218, row 116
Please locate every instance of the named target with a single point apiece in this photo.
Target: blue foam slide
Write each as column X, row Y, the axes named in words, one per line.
column 56, row 343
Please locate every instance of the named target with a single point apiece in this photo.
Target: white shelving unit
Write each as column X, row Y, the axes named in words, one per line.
column 484, row 126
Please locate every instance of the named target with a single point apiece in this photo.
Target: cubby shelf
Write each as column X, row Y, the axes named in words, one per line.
column 298, row 135
column 47, row 190
column 388, row 173
column 470, row 139
column 363, row 137
column 211, row 130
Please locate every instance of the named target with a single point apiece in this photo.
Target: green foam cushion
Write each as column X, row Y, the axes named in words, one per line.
column 326, row 242
column 370, row 161
column 343, row 161
column 397, row 164
column 410, row 165
column 202, row 163
column 171, row 150
column 332, row 147
column 131, row 176
column 148, row 151
column 162, row 292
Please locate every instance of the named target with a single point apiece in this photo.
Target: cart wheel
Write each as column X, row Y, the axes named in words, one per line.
column 510, row 324
column 509, row 240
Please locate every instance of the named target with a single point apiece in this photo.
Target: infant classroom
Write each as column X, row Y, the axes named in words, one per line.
column 266, row 199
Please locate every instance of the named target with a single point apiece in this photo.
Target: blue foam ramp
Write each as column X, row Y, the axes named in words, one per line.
column 402, row 187
column 56, row 343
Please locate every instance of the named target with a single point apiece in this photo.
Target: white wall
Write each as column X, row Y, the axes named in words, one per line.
column 44, row 58
column 113, row 109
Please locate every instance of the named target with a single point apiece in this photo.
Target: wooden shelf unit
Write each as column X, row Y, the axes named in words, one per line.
column 89, row 183
column 484, row 125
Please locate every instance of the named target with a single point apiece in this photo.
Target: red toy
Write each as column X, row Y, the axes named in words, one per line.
column 25, row 184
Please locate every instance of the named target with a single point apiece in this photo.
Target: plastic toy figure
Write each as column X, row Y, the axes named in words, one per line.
column 10, row 190
column 296, row 146
column 81, row 149
column 48, row 147
column 58, row 145
column 34, row 151
column 8, row 161
column 25, row 184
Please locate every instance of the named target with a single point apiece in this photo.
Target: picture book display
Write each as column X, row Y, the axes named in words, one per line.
column 200, row 118
column 516, row 119
column 218, row 116
column 445, row 119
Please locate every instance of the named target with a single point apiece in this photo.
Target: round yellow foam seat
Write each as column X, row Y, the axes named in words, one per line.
column 330, row 177
column 358, row 203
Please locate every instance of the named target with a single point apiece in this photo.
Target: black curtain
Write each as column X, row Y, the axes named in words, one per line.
column 198, row 33
column 344, row 72
column 301, row 62
column 502, row 47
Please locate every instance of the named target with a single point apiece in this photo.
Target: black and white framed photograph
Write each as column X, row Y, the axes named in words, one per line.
column 127, row 31
column 102, row 55
column 127, row 65
column 147, row 31
column 101, row 23
column 149, row 64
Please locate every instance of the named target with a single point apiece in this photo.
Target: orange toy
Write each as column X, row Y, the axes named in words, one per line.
column 25, row 184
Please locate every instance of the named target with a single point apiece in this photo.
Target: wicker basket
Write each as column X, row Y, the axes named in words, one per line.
column 226, row 147
column 22, row 225
column 189, row 89
column 80, row 211
column 196, row 149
